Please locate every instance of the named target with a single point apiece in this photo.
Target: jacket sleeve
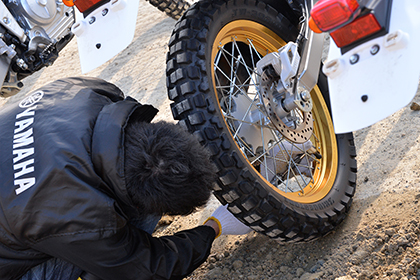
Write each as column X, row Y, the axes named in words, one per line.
column 131, row 253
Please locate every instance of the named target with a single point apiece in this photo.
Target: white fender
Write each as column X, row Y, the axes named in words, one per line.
column 377, row 85
column 105, row 32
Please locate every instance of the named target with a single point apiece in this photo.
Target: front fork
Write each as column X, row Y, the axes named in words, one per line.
column 311, row 50
column 292, row 72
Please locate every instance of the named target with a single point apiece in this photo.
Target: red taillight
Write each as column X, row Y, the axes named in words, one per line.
column 83, row 5
column 330, row 14
column 358, row 29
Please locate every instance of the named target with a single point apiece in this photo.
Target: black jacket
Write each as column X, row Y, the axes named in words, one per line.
column 62, row 189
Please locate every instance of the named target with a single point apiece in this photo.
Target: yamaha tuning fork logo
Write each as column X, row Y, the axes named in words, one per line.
column 24, row 144
column 31, row 99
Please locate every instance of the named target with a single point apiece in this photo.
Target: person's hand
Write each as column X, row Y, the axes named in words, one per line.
column 226, row 223
column 213, row 224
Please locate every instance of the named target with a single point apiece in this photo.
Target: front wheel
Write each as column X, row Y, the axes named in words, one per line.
column 293, row 179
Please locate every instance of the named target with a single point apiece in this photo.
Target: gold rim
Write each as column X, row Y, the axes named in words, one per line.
column 237, row 47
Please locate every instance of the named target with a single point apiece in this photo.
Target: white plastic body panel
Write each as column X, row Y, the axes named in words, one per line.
column 377, row 85
column 105, row 32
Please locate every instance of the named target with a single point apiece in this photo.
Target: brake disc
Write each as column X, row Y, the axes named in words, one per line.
column 300, row 129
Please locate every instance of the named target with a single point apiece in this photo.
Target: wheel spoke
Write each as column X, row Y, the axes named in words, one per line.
column 225, row 87
column 251, row 51
column 242, row 63
column 251, row 44
column 250, row 123
column 233, row 73
column 224, row 74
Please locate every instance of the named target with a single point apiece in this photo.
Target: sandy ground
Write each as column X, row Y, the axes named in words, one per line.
column 378, row 240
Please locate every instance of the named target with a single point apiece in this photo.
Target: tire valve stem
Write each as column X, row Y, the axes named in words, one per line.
column 316, row 153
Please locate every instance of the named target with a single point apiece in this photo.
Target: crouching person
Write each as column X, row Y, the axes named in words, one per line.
column 85, row 177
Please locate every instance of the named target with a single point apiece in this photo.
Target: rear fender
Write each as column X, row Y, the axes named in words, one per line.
column 105, row 32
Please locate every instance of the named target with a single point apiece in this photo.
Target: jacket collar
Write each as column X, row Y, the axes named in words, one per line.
column 108, row 147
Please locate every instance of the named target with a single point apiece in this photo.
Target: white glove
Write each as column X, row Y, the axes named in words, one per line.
column 278, row 160
column 228, row 224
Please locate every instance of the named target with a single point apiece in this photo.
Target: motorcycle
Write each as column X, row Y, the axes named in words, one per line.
column 32, row 33
column 244, row 77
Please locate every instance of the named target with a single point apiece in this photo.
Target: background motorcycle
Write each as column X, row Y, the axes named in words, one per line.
column 263, row 113
column 32, row 33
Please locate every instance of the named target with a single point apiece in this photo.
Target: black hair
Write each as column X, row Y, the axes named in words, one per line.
column 167, row 171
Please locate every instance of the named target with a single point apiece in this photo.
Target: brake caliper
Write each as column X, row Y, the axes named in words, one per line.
column 287, row 104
